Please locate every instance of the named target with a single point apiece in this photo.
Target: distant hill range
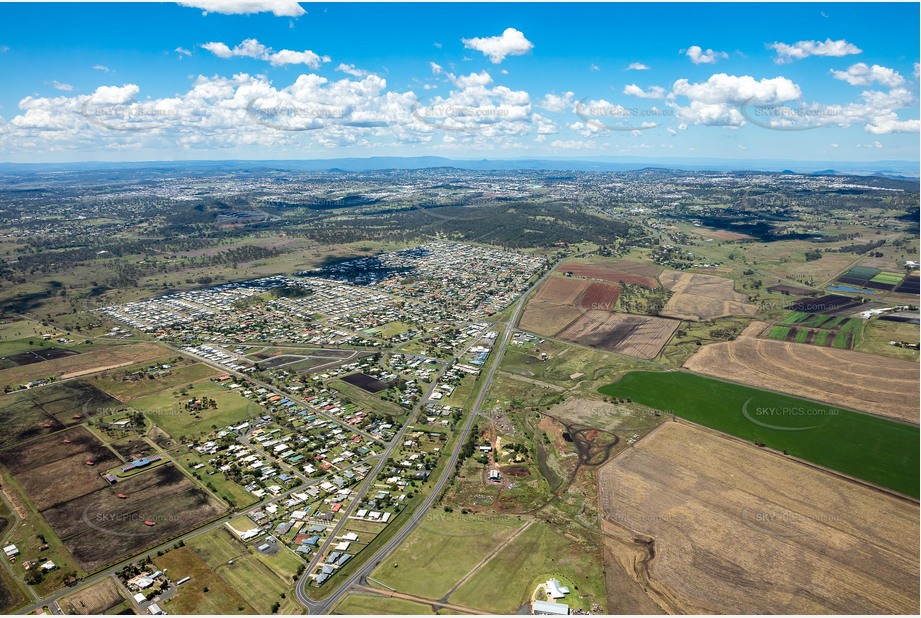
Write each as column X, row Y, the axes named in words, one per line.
column 891, row 169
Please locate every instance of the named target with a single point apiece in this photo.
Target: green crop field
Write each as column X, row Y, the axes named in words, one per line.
column 821, row 337
column 794, row 317
column 779, row 332
column 801, row 335
column 867, row 447
column 887, row 278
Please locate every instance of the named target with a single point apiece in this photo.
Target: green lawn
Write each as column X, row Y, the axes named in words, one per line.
column 871, row 448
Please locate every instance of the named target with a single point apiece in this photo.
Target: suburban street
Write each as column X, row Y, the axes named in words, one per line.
column 325, row 605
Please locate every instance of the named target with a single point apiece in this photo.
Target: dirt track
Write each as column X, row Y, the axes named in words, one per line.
column 709, row 524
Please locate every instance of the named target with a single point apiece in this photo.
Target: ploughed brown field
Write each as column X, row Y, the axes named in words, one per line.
column 581, row 311
column 855, row 380
column 697, row 522
column 640, row 336
column 703, row 297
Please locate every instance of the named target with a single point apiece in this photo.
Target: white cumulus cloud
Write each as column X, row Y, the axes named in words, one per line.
column 699, row 56
column 252, row 48
column 637, row 66
column 557, row 103
column 512, row 42
column 862, row 75
column 804, row 49
column 653, row 92
column 279, row 8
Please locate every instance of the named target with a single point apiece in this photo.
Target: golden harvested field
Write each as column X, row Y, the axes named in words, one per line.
column 108, row 357
column 561, row 290
column 640, row 336
column 703, row 297
column 709, row 524
column 855, row 380
column 546, row 318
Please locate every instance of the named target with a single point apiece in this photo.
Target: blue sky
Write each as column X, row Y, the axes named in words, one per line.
column 234, row 79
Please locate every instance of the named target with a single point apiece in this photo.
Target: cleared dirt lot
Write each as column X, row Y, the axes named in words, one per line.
column 709, row 524
column 703, row 297
column 640, row 336
column 855, row 380
column 96, row 599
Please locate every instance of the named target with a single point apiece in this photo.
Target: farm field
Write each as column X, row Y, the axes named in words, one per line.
column 547, row 318
column 561, row 290
column 737, row 529
column 98, row 359
column 94, row 524
column 636, row 273
column 702, row 297
column 37, row 412
column 632, row 335
column 867, row 447
column 819, row 330
column 884, row 386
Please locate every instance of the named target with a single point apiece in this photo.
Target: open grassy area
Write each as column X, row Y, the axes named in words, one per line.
column 366, row 399
column 205, row 592
column 507, row 581
column 444, row 548
column 868, row 447
column 374, row 605
column 259, row 578
column 127, row 390
column 165, row 409
column 878, row 333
